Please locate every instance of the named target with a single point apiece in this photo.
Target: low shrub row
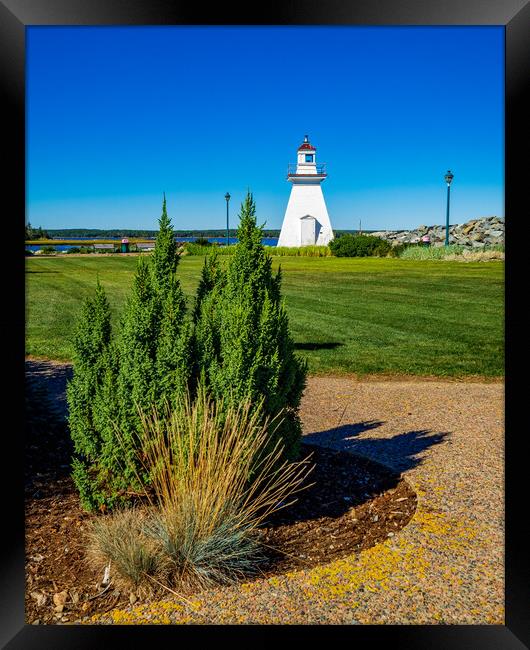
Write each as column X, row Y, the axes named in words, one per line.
column 79, row 249
column 359, row 246
column 344, row 246
column 48, row 250
column 453, row 251
column 301, row 251
column 195, row 248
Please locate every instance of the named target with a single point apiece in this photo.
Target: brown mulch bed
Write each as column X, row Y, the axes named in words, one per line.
column 354, row 504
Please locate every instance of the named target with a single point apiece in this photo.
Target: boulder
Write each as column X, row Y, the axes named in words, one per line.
column 472, row 233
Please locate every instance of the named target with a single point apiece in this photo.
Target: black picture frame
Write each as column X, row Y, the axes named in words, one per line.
column 514, row 15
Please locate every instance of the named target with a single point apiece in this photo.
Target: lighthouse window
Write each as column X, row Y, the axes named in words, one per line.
column 309, row 157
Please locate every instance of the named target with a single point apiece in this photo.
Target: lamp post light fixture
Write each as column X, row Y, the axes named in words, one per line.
column 448, row 178
column 227, row 197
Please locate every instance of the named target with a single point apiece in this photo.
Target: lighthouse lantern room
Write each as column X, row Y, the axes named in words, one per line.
column 306, row 221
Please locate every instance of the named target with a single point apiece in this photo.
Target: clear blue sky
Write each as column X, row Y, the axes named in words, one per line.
column 117, row 115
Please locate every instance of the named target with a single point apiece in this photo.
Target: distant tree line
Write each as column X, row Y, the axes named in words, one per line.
column 67, row 233
column 35, row 233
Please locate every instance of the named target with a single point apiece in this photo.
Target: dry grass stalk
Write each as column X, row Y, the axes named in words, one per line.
column 203, row 523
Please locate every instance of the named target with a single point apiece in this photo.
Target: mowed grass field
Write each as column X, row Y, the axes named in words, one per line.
column 347, row 315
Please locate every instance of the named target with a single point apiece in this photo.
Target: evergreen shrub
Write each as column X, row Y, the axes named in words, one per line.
column 146, row 363
column 359, row 246
column 236, row 342
column 243, row 346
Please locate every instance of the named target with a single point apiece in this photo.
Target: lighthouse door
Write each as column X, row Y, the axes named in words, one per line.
column 307, row 231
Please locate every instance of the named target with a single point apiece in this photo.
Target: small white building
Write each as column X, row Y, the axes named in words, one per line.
column 306, row 221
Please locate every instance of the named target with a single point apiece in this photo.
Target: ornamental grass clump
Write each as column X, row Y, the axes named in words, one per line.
column 120, row 539
column 211, row 488
column 454, row 252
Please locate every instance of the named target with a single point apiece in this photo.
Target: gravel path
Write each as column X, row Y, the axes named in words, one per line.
column 446, row 566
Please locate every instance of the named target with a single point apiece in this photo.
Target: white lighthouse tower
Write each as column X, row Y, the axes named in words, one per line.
column 306, row 221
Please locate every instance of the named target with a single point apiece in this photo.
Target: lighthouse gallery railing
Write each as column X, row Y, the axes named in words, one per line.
column 320, row 169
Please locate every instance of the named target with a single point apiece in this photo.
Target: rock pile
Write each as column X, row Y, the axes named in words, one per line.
column 474, row 233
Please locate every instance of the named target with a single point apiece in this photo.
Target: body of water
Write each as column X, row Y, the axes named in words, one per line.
column 58, row 247
column 266, row 241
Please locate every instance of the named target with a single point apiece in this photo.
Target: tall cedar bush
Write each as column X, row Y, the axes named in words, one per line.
column 243, row 346
column 238, row 343
column 148, row 363
column 92, row 339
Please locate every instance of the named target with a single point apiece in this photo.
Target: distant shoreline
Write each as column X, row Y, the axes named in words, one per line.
column 140, row 234
column 34, row 244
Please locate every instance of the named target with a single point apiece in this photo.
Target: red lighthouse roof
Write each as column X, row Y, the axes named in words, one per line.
column 306, row 146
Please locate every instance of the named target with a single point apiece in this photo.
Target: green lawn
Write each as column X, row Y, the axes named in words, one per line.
column 368, row 315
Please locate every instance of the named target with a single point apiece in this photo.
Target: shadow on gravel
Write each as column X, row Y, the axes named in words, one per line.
column 402, row 452
column 48, row 448
column 342, row 481
column 354, row 504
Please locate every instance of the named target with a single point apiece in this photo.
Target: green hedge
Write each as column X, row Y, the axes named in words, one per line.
column 359, row 246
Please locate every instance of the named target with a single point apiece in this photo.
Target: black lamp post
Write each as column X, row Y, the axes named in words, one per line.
column 448, row 178
column 227, row 197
